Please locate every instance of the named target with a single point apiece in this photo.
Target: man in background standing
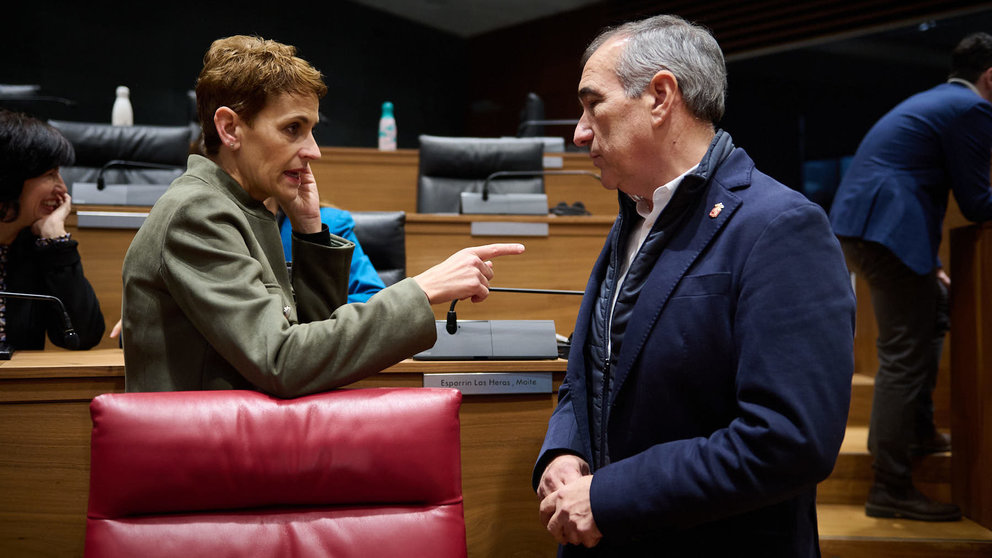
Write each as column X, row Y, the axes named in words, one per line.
column 889, row 212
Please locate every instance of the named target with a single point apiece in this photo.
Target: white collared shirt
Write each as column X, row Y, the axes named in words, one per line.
column 965, row 83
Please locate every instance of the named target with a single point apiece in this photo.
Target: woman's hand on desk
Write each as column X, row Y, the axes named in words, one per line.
column 465, row 274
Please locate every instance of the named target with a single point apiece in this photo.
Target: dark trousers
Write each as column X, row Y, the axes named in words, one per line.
column 912, row 315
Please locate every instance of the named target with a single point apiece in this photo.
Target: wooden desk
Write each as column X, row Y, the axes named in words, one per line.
column 361, row 179
column 971, row 370
column 45, row 436
column 561, row 260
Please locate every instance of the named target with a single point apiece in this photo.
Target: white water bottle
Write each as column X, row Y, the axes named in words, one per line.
column 122, row 114
column 387, row 128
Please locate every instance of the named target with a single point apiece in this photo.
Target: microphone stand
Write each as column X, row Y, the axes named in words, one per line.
column 100, row 183
column 71, row 339
column 451, row 325
column 499, row 174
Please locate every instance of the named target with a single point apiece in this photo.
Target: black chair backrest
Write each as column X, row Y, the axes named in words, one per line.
column 96, row 144
column 532, row 112
column 452, row 165
column 382, row 235
column 31, row 100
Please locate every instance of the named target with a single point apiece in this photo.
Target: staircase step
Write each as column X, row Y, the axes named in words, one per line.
column 852, row 475
column 846, row 532
column 862, row 390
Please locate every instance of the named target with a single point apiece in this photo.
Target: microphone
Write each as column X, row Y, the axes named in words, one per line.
column 540, row 123
column 497, row 174
column 451, row 325
column 71, row 339
column 100, row 185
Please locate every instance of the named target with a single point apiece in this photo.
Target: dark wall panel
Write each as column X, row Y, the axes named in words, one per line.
column 84, row 50
column 782, row 107
column 803, row 82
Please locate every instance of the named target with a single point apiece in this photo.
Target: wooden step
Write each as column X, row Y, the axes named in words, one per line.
column 862, row 390
column 846, row 532
column 852, row 475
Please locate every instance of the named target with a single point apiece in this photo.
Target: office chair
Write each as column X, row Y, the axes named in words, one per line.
column 30, row 99
column 452, row 165
column 382, row 235
column 533, row 123
column 125, row 154
column 347, row 473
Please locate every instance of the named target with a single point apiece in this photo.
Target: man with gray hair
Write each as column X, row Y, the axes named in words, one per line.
column 710, row 373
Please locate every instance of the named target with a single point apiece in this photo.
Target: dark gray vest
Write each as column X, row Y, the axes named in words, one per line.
column 598, row 363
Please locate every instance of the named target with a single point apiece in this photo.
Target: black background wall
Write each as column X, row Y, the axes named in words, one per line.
column 83, row 50
column 807, row 79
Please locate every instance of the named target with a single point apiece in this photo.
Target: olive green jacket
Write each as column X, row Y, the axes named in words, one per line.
column 209, row 303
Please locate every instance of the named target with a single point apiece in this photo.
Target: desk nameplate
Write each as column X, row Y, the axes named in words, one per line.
column 110, row 219
column 508, row 228
column 492, row 383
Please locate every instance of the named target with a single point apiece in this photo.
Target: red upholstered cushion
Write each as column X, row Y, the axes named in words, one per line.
column 182, row 452
column 427, row 532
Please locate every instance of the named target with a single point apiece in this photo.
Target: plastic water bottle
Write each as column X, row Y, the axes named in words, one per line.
column 387, row 128
column 122, row 114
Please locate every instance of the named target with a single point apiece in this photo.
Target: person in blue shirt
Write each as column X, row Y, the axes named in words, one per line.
column 888, row 213
column 364, row 280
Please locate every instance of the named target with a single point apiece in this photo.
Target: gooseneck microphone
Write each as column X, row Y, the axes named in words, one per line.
column 71, row 339
column 119, row 163
column 500, row 174
column 451, row 325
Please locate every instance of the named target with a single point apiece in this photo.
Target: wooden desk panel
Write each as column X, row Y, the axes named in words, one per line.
column 102, row 252
column 561, row 260
column 44, row 478
column 359, row 179
column 45, row 436
column 971, row 380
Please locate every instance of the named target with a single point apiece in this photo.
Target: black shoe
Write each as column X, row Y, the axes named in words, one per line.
column 907, row 503
column 937, row 443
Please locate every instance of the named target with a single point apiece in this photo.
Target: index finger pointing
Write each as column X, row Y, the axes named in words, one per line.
column 490, row 251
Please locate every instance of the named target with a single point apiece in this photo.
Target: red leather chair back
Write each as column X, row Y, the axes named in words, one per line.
column 364, row 473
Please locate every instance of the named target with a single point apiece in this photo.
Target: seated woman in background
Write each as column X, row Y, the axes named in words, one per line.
column 364, row 280
column 37, row 256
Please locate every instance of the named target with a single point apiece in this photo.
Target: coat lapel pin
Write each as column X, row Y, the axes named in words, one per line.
column 716, row 210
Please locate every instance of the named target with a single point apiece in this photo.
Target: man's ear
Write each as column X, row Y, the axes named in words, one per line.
column 663, row 91
column 986, row 77
column 227, row 122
